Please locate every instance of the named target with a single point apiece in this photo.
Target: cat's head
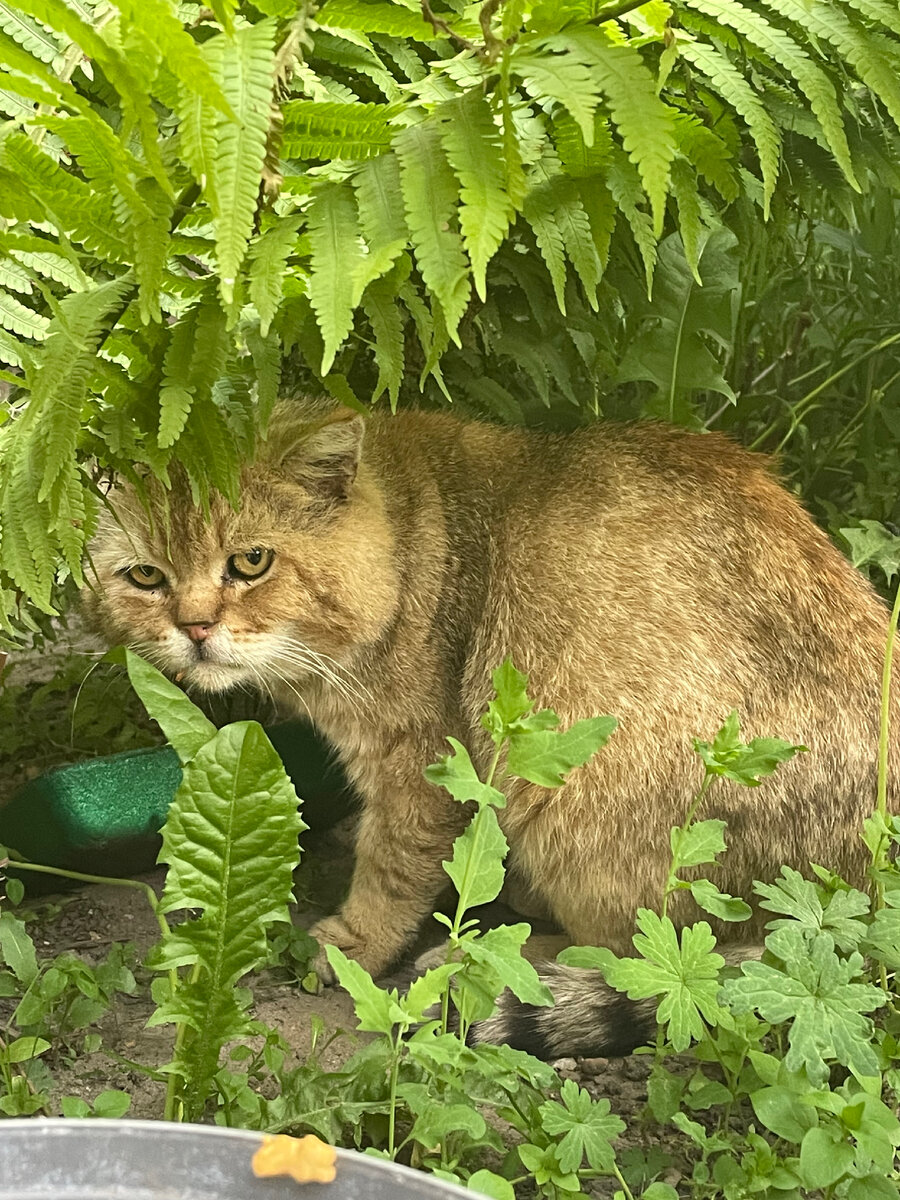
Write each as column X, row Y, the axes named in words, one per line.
column 293, row 583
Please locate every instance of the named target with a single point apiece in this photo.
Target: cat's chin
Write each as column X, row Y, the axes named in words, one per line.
column 212, row 677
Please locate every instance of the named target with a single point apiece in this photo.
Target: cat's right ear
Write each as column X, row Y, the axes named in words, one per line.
column 325, row 458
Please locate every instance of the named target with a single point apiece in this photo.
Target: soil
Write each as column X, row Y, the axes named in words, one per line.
column 89, row 920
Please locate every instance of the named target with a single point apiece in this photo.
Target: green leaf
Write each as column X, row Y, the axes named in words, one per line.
column 335, row 251
column 784, row 1112
column 476, row 868
column 472, row 142
column 174, row 406
column 686, row 976
column 545, row 756
column 441, row 1120
column 500, row 949
column 24, row 1049
column 242, row 65
column 112, row 1104
column 313, row 129
column 377, row 1010
column 816, row 993
column 374, row 17
column 268, row 262
column 811, row 79
column 456, row 773
column 823, row 1158
column 587, row 1125
column 871, row 542
column 486, row 1183
column 429, row 197
column 645, row 124
column 804, row 902
column 744, row 763
column 380, row 305
column 230, row 840
column 187, row 730
column 699, row 843
column 719, row 904
column 379, row 199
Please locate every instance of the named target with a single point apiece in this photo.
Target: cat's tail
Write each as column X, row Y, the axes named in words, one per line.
column 589, row 1019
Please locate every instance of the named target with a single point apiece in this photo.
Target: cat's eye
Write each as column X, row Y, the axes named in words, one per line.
column 250, row 564
column 145, row 576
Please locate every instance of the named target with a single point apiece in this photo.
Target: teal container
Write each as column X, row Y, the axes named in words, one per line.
column 103, row 816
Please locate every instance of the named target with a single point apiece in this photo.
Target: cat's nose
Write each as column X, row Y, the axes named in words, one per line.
column 198, row 631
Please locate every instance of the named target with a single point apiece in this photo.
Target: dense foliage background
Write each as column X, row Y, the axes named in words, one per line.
column 536, row 212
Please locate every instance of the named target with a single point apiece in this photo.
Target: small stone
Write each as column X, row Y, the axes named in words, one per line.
column 565, row 1066
column 594, row 1066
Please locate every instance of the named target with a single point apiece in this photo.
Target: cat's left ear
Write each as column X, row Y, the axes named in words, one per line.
column 327, row 460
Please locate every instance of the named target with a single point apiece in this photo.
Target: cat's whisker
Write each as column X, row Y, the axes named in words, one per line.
column 310, row 659
column 314, row 667
column 290, row 688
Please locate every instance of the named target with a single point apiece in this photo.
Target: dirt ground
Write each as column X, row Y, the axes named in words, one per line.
column 89, row 920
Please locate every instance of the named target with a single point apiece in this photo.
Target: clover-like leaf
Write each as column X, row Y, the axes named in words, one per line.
column 588, row 1126
column 545, row 756
column 745, row 763
column 685, row 975
column 816, row 992
column 805, row 902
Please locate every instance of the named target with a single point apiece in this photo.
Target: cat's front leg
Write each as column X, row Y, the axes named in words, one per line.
column 406, row 831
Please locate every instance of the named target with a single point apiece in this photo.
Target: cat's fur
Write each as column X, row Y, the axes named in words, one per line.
column 661, row 576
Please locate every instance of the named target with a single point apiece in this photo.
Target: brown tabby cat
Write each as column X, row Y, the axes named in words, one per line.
column 379, row 570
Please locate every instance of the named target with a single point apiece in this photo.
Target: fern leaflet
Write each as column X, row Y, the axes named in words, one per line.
column 429, row 196
column 333, row 130
column 268, row 261
column 335, row 253
column 379, row 199
column 472, row 143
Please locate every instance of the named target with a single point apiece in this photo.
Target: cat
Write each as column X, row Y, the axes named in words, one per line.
column 380, row 568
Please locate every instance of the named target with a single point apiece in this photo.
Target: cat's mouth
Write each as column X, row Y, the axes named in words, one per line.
column 208, row 676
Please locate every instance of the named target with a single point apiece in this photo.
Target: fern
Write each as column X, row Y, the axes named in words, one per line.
column 857, row 46
column 472, row 143
column 734, row 89
column 243, row 67
column 812, row 81
column 429, row 196
column 387, row 327
column 18, row 318
column 645, row 124
column 31, row 35
column 379, row 200
column 335, row 251
column 317, row 130
column 378, row 18
column 268, row 261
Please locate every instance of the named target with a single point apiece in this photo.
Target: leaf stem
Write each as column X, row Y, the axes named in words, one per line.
column 679, row 841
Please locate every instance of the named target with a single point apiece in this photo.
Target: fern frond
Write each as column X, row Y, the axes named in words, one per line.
column 379, row 200
column 174, row 406
column 690, row 222
column 19, row 318
column 539, row 210
column 561, row 77
column 350, row 50
column 14, row 277
column 472, row 143
column 267, row 355
column 730, row 84
column 268, row 261
column 59, row 380
column 51, row 264
column 553, row 206
column 26, row 550
column 881, row 12
column 580, row 159
column 29, row 34
column 68, row 509
column 854, row 44
column 429, row 197
column 335, row 252
column 709, row 154
column 333, row 130
column 24, row 93
column 379, row 18
column 13, row 352
column 625, row 187
column 135, row 101
column 197, row 350
column 243, row 67
column 71, row 204
column 158, row 20
column 780, row 46
column 380, row 306
column 645, row 123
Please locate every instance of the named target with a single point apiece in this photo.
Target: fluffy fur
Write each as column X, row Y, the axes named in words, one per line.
column 661, row 576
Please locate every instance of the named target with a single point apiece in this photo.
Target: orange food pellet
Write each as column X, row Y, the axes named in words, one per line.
column 306, row 1159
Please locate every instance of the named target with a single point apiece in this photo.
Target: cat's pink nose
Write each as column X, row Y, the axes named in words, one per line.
column 200, row 631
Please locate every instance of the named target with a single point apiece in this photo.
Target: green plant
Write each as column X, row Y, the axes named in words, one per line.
column 399, row 203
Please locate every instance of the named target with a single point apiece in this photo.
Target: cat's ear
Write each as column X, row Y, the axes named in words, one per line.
column 326, row 458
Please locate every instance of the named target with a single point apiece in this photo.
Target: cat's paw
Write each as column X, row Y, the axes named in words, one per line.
column 334, row 931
